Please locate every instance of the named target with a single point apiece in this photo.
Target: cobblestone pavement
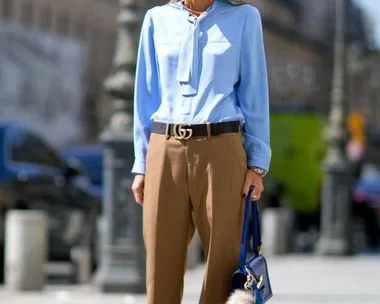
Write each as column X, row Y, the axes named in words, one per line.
column 295, row 279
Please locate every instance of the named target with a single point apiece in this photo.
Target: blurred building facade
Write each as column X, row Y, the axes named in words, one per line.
column 93, row 22
column 365, row 88
column 298, row 60
column 302, row 50
column 298, row 37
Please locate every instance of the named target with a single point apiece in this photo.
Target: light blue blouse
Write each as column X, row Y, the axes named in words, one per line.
column 209, row 68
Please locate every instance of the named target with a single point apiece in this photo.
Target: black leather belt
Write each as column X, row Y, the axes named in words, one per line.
column 186, row 131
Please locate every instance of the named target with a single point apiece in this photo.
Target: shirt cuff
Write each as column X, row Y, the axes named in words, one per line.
column 259, row 160
column 139, row 167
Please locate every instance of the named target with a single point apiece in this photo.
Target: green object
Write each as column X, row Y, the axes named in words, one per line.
column 297, row 151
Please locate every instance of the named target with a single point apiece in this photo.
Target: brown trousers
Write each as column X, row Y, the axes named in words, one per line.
column 196, row 182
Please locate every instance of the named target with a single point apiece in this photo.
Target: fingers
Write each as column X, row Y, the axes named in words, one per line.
column 138, row 189
column 247, row 185
column 139, row 197
column 253, row 181
column 256, row 193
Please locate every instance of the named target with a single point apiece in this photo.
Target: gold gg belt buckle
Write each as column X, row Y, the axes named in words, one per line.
column 181, row 133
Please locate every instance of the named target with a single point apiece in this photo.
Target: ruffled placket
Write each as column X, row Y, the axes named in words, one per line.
column 188, row 64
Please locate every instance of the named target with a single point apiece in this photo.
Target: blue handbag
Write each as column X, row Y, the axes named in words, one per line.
column 252, row 274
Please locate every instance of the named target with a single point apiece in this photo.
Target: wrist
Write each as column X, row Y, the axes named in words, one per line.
column 258, row 170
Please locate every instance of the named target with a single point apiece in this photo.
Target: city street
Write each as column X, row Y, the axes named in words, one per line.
column 295, row 279
column 84, row 85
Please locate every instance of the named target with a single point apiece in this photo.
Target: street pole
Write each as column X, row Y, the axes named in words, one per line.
column 336, row 210
column 122, row 255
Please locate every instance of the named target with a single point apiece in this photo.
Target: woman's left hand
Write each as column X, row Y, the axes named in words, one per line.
column 255, row 181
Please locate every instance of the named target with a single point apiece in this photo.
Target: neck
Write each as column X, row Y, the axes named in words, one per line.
column 198, row 5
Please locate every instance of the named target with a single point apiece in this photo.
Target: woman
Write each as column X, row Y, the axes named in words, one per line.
column 200, row 79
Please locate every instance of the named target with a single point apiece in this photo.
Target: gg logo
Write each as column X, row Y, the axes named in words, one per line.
column 180, row 132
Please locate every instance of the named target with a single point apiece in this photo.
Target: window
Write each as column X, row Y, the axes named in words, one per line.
column 279, row 76
column 63, row 24
column 80, row 29
column 309, row 77
column 45, row 18
column 28, row 148
column 293, row 72
column 96, row 46
column 6, row 9
column 27, row 13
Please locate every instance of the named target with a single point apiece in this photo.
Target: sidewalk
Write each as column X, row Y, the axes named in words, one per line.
column 295, row 279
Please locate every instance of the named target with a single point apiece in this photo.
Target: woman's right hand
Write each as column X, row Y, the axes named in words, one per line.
column 138, row 188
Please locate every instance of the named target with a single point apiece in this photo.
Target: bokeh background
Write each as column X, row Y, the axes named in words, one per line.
column 66, row 77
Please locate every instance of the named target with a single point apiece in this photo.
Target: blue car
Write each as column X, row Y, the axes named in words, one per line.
column 366, row 198
column 33, row 175
column 91, row 158
column 367, row 188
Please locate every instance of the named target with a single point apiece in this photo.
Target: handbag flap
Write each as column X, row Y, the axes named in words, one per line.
column 257, row 264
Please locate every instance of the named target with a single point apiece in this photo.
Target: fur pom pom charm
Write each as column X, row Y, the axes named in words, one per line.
column 241, row 297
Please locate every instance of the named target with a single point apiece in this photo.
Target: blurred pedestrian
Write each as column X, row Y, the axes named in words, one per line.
column 201, row 79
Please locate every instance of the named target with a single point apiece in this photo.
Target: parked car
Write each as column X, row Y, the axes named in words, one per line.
column 91, row 158
column 366, row 197
column 34, row 176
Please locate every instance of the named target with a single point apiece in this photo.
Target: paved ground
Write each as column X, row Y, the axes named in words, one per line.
column 295, row 279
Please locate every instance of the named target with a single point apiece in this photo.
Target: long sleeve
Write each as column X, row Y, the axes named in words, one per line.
column 146, row 94
column 253, row 96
